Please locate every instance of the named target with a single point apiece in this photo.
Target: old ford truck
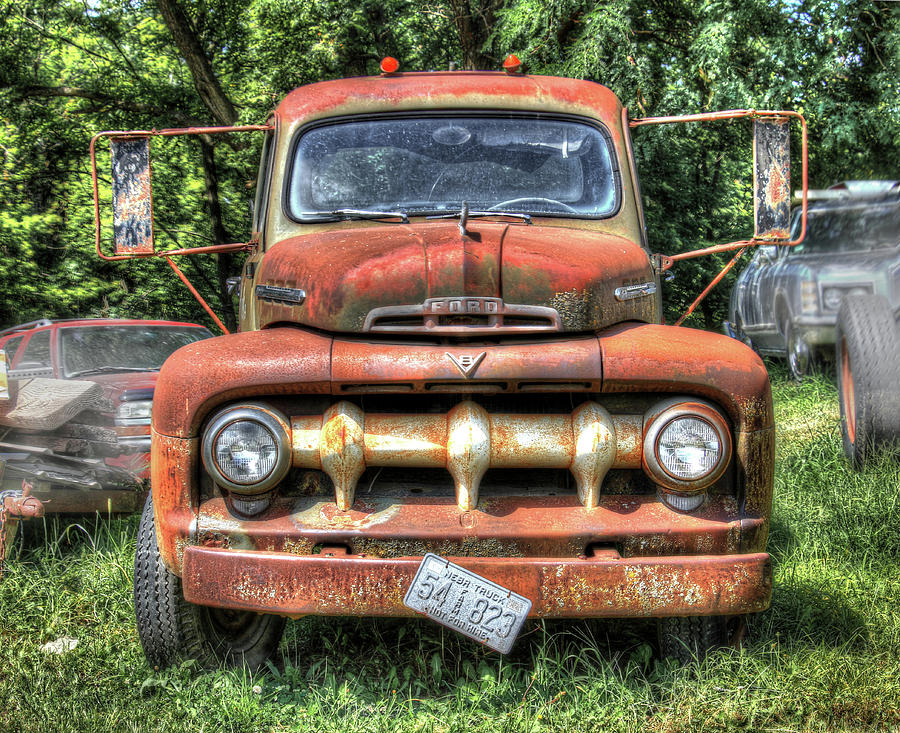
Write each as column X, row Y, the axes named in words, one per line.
column 451, row 343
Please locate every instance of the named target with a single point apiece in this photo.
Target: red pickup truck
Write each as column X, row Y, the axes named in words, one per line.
column 121, row 356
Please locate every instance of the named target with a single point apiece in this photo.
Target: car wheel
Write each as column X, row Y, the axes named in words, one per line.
column 171, row 629
column 867, row 360
column 690, row 638
column 799, row 353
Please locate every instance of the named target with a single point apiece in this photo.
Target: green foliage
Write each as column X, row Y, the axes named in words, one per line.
column 69, row 69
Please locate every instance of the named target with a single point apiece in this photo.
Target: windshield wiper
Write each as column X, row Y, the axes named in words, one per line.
column 362, row 214
column 464, row 215
column 107, row 369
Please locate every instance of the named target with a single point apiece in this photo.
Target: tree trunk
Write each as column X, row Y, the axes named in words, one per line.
column 223, row 259
column 474, row 21
column 191, row 49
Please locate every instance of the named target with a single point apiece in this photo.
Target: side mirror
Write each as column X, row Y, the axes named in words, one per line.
column 132, row 196
column 769, row 252
column 771, row 186
column 771, row 178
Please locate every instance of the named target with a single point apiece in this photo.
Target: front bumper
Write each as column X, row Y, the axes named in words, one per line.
column 602, row 586
column 816, row 330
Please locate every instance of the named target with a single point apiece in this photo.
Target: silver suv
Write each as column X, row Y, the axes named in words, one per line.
column 839, row 289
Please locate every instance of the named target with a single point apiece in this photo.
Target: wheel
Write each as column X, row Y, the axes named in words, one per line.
column 800, row 356
column 867, row 361
column 540, row 199
column 690, row 638
column 171, row 629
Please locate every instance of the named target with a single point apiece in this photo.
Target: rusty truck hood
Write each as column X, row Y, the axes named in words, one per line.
column 349, row 272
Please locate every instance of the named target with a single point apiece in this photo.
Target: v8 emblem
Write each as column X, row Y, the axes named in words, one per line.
column 467, row 363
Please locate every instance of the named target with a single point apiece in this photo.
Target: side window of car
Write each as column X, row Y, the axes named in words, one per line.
column 11, row 347
column 35, row 361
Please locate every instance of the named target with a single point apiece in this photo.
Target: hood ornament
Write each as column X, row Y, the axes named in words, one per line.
column 467, row 363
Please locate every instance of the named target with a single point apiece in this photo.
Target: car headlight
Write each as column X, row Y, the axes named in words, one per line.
column 135, row 412
column 687, row 446
column 247, row 448
column 831, row 298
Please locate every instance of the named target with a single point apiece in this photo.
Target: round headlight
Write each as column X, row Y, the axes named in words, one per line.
column 687, row 445
column 245, row 451
column 688, row 448
column 831, row 298
column 247, row 448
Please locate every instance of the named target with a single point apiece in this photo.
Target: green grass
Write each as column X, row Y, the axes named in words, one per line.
column 826, row 656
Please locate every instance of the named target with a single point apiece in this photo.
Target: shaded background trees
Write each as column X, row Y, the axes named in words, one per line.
column 71, row 68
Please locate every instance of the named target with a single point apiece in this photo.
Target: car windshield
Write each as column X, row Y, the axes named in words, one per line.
column 96, row 349
column 853, row 228
column 434, row 164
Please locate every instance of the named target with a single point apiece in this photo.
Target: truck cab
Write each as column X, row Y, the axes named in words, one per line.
column 451, row 344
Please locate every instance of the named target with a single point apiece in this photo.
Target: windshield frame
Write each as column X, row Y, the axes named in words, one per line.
column 615, row 167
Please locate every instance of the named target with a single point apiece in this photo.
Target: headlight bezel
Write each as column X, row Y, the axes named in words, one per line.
column 273, row 421
column 662, row 416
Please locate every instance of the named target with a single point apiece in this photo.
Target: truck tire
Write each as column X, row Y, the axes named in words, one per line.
column 867, row 361
column 172, row 630
column 691, row 638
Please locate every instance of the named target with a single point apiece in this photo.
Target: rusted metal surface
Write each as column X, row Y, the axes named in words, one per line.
column 276, row 361
column 467, row 441
column 504, row 526
column 197, row 295
column 357, row 365
column 485, row 316
column 666, row 360
column 15, row 505
column 405, row 267
column 22, row 503
column 715, row 281
column 132, row 199
column 772, row 182
column 174, row 469
column 559, row 588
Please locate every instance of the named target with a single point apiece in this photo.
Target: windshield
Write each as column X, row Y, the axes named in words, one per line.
column 853, row 228
column 434, row 164
column 93, row 349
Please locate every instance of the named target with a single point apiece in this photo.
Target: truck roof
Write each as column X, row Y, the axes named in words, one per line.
column 447, row 90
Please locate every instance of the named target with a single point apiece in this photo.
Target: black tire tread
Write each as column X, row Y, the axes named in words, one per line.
column 873, row 344
column 171, row 629
column 690, row 638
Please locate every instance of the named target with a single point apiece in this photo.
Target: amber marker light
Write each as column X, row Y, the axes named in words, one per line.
column 511, row 64
column 389, row 65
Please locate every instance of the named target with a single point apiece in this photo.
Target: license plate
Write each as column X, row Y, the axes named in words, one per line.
column 465, row 602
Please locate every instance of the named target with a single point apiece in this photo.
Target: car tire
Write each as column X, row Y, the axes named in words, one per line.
column 799, row 353
column 172, row 630
column 691, row 638
column 867, row 361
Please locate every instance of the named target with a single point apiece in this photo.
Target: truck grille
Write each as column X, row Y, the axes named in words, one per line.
column 466, row 441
